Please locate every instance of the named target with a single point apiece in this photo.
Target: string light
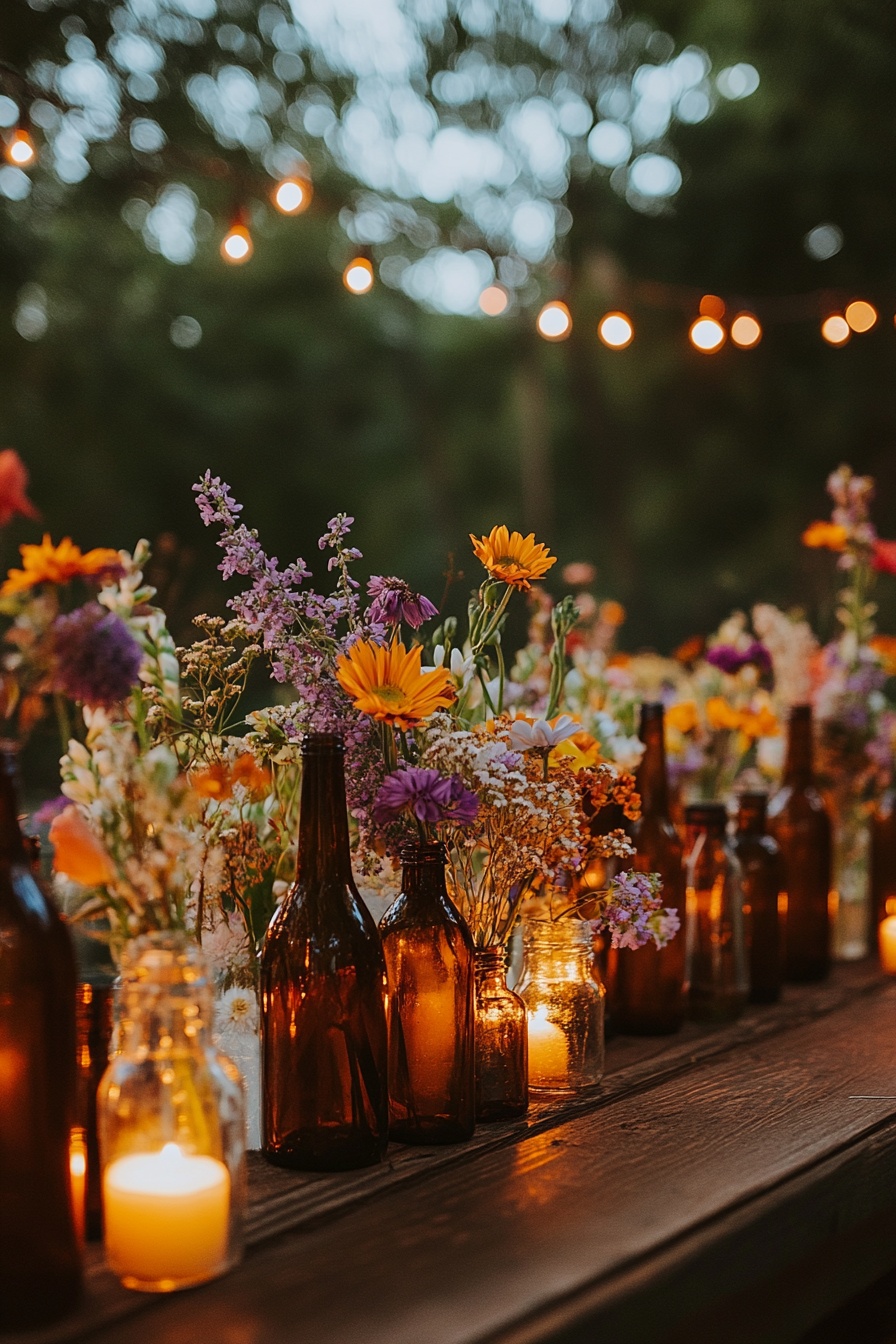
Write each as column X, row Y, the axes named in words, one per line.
column 358, row 276
column 236, row 246
column 616, row 330
column 293, row 195
column 493, row 300
column 554, row 322
column 707, row 335
column 860, row 316
column 835, row 329
column 746, row 331
column 20, row 149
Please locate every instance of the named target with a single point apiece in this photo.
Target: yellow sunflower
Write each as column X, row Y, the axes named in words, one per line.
column 47, row 563
column 385, row 682
column 513, row 558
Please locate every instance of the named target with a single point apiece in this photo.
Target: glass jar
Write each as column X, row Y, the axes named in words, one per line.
column 171, row 1125
column 502, row 1091
column 715, row 947
column 564, row 1006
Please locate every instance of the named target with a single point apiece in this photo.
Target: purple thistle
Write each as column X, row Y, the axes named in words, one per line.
column 394, row 601
column 425, row 795
column 96, row 658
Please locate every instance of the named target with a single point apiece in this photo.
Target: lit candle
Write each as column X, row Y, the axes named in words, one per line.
column 430, row 1037
column 548, row 1053
column 77, row 1165
column 886, row 935
column 166, row 1218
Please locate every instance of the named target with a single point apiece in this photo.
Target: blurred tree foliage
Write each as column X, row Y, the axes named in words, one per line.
column 687, row 479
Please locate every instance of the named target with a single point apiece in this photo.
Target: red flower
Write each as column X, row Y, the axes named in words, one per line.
column 884, row 556
column 13, row 484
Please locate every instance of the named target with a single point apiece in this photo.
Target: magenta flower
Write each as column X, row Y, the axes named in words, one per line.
column 729, row 659
column 96, row 658
column 394, row 601
column 427, row 796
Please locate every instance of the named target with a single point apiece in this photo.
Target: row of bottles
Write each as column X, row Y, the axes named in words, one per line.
column 754, row 909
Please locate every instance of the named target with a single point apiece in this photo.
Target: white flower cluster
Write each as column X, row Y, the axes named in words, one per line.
column 792, row 646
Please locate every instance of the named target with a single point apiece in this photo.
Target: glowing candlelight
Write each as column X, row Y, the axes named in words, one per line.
column 548, row 1052
column 886, row 935
column 430, row 1036
column 166, row 1218
column 77, row 1165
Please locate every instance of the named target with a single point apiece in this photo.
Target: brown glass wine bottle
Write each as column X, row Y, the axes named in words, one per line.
column 799, row 821
column 716, row 966
column 40, row 1259
column 429, row 965
column 763, row 878
column 883, row 862
column 323, row 994
column 646, row 985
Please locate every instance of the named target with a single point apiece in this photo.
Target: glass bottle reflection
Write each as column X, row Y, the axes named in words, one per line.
column 429, row 965
column 715, row 947
column 323, row 994
column 763, row 876
column 799, row 821
column 502, row 1086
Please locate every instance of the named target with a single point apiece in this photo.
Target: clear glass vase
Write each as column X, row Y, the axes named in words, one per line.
column 851, row 880
column 564, row 1006
column 171, row 1126
column 502, row 1090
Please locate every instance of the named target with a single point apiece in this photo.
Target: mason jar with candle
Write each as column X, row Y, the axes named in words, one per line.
column 171, row 1116
column 564, row 1006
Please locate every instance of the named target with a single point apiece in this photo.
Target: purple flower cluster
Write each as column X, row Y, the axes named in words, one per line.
column 729, row 659
column 426, row 795
column 634, row 914
column 96, row 659
column 394, row 601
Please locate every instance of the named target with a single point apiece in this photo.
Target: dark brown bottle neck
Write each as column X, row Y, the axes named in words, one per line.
column 12, row 843
column 652, row 778
column 423, row 872
column 799, row 765
column 323, row 819
column 751, row 814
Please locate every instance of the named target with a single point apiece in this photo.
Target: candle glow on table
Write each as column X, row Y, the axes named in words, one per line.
column 167, row 1218
column 431, row 1040
column 886, row 935
column 548, row 1052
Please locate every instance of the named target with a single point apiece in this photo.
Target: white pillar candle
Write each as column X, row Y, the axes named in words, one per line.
column 548, row 1052
column 886, row 935
column 167, row 1218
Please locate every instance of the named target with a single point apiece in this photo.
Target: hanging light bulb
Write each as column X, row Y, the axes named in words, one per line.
column 616, row 330
column 554, row 322
column 293, row 195
column 236, row 245
column 358, row 276
column 707, row 335
column 835, row 329
column 493, row 300
column 20, row 149
column 860, row 316
column 746, row 331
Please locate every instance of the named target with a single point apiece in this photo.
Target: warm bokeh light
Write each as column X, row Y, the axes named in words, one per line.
column 20, row 149
column 707, row 335
column 835, row 329
column 293, row 195
column 236, row 246
column 746, row 331
column 861, row 316
column 554, row 322
column 616, row 330
column 358, row 276
column 493, row 300
column 712, row 306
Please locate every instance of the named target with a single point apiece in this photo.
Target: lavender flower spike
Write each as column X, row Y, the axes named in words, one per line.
column 394, row 601
column 96, row 658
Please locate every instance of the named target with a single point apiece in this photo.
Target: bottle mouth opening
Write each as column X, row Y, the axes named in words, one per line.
column 706, row 814
column 427, row 851
column 652, row 710
column 322, row 744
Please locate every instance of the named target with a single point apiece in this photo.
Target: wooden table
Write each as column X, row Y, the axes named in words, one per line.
column 730, row 1185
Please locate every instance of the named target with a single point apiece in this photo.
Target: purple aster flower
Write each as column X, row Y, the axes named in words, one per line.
column 729, row 659
column 394, row 601
column 426, row 795
column 96, row 658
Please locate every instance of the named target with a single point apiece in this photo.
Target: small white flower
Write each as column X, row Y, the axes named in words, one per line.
column 237, row 1010
column 540, row 736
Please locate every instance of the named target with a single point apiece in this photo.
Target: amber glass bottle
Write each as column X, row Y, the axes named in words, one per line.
column 799, row 821
column 646, row 985
column 323, row 994
column 40, row 1261
column 763, row 873
column 715, row 946
column 502, row 1041
column 429, row 965
column 883, row 861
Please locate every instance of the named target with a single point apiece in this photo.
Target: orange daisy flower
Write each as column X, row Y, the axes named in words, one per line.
column 386, row 683
column 830, row 536
column 77, row 852
column 719, row 714
column 513, row 558
column 47, row 563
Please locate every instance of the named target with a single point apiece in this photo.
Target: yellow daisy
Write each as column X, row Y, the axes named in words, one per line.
column 513, row 558
column 385, row 682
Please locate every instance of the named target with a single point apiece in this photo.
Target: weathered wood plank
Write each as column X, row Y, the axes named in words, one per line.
column 571, row 1207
